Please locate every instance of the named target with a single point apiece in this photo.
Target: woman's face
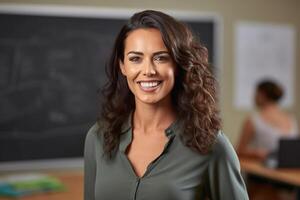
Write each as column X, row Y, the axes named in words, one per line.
column 148, row 66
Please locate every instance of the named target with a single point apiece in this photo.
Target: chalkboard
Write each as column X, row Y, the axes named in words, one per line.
column 50, row 70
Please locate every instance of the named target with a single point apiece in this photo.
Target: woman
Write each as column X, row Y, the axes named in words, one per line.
column 262, row 131
column 158, row 135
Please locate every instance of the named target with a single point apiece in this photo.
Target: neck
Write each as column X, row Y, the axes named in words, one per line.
column 270, row 107
column 149, row 117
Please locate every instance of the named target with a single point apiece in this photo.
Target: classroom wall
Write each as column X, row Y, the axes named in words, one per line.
column 231, row 11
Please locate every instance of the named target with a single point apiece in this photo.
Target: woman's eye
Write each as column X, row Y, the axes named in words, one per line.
column 161, row 58
column 135, row 59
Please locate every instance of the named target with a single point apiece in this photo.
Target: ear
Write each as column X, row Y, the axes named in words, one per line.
column 122, row 67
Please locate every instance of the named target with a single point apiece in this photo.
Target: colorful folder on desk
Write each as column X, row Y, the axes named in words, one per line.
column 25, row 184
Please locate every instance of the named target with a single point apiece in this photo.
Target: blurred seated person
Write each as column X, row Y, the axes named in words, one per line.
column 262, row 130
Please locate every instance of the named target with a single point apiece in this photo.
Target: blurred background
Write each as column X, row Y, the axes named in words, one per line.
column 52, row 63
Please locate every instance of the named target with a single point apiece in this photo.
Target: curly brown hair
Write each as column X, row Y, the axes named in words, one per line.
column 194, row 94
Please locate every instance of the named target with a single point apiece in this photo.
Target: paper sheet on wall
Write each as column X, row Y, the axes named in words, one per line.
column 263, row 51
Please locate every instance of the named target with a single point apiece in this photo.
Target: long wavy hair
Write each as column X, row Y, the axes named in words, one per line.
column 194, row 94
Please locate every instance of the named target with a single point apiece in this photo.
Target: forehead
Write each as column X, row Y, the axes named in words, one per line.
column 144, row 39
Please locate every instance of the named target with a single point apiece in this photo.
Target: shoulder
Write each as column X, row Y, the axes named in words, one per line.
column 250, row 124
column 222, row 144
column 252, row 119
column 94, row 134
column 93, row 130
column 223, row 150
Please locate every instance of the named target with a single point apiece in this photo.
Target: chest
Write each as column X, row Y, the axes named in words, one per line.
column 143, row 150
column 177, row 174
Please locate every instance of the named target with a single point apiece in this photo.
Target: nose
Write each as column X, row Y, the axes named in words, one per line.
column 149, row 69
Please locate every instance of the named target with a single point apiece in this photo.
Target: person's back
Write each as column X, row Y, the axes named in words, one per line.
column 270, row 126
column 279, row 120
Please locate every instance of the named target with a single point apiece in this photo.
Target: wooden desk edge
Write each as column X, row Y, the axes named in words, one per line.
column 255, row 167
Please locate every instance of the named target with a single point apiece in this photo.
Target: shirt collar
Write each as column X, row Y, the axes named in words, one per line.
column 126, row 130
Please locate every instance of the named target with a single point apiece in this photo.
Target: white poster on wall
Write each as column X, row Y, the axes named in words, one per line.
column 263, row 51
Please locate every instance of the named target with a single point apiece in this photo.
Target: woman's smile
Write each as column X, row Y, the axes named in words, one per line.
column 149, row 86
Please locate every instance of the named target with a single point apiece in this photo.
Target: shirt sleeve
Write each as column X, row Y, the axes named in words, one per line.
column 90, row 164
column 224, row 175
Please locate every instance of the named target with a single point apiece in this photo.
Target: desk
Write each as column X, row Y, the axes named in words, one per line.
column 289, row 176
column 74, row 188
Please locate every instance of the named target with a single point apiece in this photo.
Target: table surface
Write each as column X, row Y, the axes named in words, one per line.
column 290, row 176
column 73, row 182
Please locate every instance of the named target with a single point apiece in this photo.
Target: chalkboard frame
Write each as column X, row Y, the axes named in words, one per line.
column 111, row 13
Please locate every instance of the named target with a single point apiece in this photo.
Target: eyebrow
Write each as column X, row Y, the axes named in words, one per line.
column 140, row 53
column 135, row 52
column 160, row 52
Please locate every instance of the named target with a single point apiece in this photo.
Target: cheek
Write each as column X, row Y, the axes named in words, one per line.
column 131, row 72
column 171, row 75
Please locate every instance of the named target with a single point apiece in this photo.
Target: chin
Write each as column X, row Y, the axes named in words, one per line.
column 154, row 100
column 149, row 100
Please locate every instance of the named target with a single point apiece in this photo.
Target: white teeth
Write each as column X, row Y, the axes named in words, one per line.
column 149, row 84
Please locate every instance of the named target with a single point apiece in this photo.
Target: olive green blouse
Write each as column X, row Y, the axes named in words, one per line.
column 177, row 174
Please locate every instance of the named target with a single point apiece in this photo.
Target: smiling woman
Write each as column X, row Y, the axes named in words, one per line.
column 158, row 135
